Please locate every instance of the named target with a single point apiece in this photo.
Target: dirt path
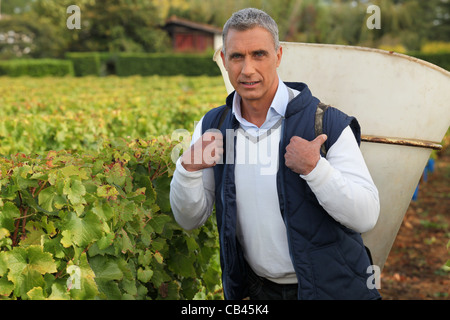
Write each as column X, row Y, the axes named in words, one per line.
column 415, row 266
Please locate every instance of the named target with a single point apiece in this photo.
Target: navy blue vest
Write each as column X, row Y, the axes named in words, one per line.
column 329, row 259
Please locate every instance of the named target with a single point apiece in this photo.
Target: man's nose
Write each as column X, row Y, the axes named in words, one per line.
column 247, row 67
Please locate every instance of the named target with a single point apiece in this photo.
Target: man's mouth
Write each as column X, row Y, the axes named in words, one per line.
column 249, row 83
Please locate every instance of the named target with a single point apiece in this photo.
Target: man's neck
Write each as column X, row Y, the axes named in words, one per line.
column 255, row 111
column 254, row 114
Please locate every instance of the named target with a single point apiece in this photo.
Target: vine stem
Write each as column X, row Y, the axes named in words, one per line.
column 24, row 222
column 16, row 230
column 156, row 171
column 40, row 189
column 23, row 215
column 17, row 224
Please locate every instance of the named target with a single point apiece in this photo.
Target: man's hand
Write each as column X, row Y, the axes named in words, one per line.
column 302, row 155
column 206, row 152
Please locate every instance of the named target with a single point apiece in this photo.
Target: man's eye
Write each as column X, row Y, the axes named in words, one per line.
column 236, row 56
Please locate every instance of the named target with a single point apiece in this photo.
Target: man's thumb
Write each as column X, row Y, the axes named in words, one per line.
column 320, row 140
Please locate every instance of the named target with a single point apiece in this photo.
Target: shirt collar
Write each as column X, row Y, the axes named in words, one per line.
column 276, row 109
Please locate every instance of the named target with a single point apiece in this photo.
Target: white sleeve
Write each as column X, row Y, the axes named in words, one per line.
column 192, row 193
column 343, row 185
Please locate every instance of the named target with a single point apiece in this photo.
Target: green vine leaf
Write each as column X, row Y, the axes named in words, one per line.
column 81, row 232
column 75, row 191
column 26, row 267
column 46, row 198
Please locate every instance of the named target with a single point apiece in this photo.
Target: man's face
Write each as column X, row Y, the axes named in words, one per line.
column 252, row 61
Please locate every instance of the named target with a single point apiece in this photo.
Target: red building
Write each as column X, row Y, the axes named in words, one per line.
column 189, row 36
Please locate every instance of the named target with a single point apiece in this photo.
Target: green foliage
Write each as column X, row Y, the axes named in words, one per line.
column 85, row 63
column 121, row 64
column 144, row 64
column 24, row 36
column 436, row 47
column 36, row 68
column 120, row 26
column 135, row 26
column 78, row 114
column 85, row 213
column 166, row 65
column 99, row 225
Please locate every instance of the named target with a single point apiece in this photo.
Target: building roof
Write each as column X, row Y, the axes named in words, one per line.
column 174, row 20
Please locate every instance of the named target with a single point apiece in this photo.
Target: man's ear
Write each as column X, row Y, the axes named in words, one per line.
column 279, row 55
column 223, row 59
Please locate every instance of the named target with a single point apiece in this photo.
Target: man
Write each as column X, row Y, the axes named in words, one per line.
column 289, row 219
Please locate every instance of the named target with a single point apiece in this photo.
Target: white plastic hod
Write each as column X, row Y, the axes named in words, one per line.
column 402, row 104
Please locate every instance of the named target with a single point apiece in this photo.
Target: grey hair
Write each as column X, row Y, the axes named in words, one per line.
column 249, row 18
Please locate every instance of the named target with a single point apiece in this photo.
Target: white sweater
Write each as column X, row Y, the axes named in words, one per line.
column 341, row 183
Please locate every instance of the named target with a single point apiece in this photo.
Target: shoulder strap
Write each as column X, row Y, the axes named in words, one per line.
column 214, row 118
column 318, row 125
column 222, row 117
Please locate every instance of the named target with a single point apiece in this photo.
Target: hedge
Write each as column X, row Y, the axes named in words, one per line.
column 85, row 63
column 128, row 64
column 122, row 64
column 99, row 226
column 93, row 63
column 36, row 68
column 166, row 65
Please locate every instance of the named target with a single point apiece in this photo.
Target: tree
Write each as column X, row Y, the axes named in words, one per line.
column 135, row 25
column 115, row 26
column 15, row 7
column 441, row 21
column 21, row 36
column 123, row 25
